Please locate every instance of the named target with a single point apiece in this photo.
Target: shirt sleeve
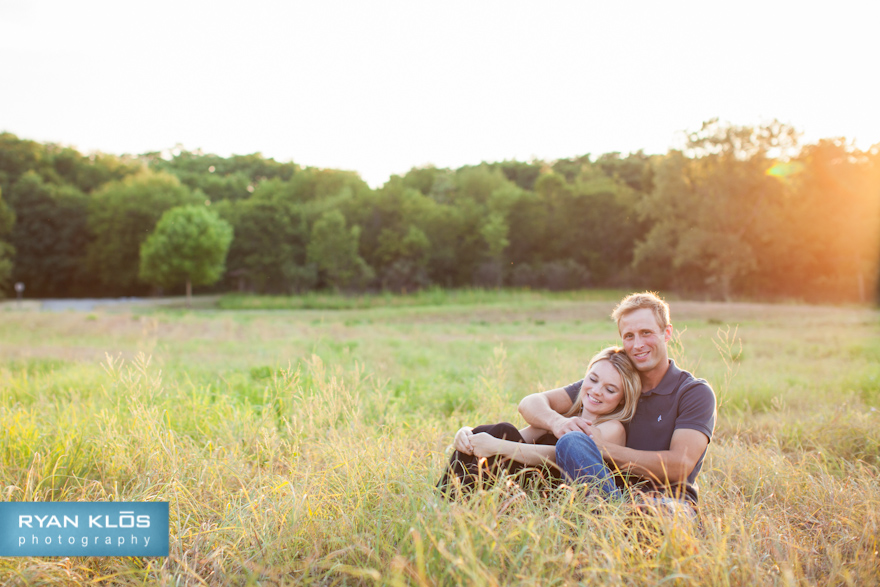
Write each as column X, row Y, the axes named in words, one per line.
column 573, row 389
column 696, row 409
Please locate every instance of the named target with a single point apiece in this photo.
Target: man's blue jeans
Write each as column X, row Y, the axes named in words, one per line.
column 580, row 458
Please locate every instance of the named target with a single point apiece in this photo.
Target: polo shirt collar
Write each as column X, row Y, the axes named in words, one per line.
column 669, row 382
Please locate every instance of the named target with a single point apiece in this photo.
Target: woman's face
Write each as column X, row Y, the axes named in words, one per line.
column 602, row 391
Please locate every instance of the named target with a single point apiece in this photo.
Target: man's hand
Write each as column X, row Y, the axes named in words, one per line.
column 573, row 424
column 544, row 410
column 485, row 445
column 462, row 441
column 665, row 466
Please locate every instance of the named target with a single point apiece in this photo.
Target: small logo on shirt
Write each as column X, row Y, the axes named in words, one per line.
column 659, row 418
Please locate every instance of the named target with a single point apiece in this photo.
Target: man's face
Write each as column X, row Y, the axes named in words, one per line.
column 643, row 339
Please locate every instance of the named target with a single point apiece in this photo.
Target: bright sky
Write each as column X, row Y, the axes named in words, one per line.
column 381, row 86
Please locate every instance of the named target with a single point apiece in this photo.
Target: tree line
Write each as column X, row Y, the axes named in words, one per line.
column 738, row 212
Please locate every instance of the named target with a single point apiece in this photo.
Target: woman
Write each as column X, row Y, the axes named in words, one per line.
column 607, row 398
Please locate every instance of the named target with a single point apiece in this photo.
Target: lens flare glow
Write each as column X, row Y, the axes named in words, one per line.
column 785, row 170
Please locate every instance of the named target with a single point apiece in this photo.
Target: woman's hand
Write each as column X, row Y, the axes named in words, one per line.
column 485, row 445
column 462, row 440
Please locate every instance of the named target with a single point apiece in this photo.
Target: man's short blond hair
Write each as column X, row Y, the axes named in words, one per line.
column 638, row 301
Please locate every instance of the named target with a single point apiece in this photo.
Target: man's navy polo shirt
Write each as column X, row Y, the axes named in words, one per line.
column 680, row 401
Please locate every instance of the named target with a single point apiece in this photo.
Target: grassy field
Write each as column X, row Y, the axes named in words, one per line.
column 298, row 441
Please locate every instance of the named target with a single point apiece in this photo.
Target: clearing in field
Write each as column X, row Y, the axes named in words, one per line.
column 301, row 445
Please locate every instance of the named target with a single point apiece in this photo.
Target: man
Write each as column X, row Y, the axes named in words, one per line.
column 668, row 436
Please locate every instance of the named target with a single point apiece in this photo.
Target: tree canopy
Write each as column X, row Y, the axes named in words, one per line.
column 188, row 246
column 739, row 211
column 122, row 214
column 7, row 251
column 333, row 249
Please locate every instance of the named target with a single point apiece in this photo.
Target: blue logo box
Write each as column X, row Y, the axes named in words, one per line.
column 72, row 528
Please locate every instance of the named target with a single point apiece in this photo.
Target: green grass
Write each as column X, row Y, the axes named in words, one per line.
column 427, row 297
column 300, row 446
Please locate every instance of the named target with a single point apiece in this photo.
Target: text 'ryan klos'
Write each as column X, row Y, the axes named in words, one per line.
column 125, row 520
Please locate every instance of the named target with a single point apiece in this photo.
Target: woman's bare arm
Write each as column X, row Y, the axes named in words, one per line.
column 486, row 445
column 532, row 433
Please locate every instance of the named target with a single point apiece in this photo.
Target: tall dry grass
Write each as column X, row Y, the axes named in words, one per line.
column 320, row 472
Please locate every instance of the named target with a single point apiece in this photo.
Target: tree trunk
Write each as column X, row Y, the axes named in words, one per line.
column 189, row 292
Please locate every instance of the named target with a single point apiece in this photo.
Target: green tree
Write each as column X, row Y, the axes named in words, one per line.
column 403, row 259
column 86, row 172
column 570, row 169
column 634, row 170
column 17, row 157
column 830, row 215
column 527, row 220
column 421, row 178
column 50, row 237
column 58, row 165
column 554, row 194
column 7, row 251
column 476, row 191
column 333, row 249
column 188, row 246
column 397, row 213
column 599, row 225
column 494, row 232
column 712, row 213
column 477, row 183
column 230, row 178
column 327, row 186
column 121, row 216
column 394, row 240
column 268, row 253
column 522, row 174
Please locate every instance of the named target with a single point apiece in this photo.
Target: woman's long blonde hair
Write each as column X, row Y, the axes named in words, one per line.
column 632, row 386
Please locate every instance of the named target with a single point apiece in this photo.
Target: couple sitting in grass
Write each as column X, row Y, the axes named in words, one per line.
column 635, row 425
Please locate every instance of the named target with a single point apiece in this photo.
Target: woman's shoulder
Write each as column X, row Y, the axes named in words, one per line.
column 609, row 425
column 613, row 431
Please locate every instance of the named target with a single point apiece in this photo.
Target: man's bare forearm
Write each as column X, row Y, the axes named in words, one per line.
column 665, row 466
column 536, row 410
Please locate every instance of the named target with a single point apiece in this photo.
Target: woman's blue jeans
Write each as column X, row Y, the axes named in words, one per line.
column 580, row 458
